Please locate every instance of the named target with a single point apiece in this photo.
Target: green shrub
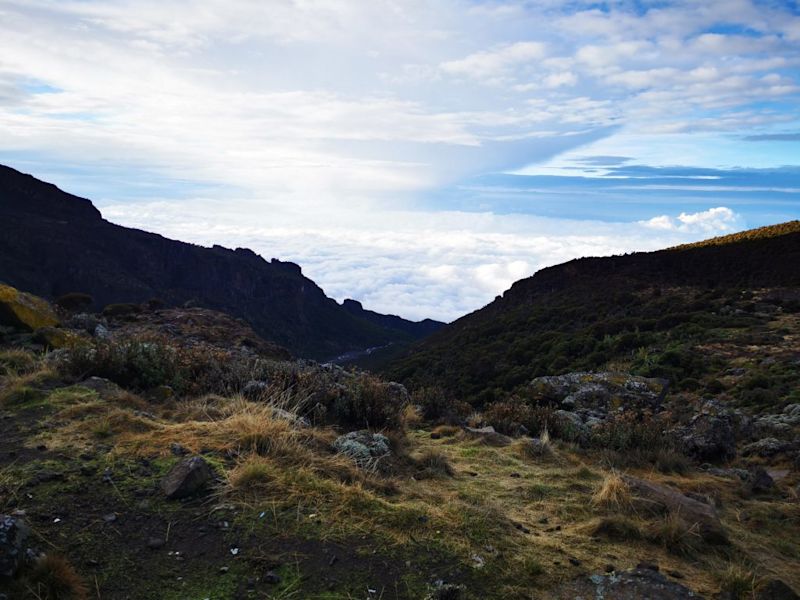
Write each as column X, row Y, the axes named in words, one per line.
column 138, row 364
column 121, row 310
column 74, row 301
column 370, row 402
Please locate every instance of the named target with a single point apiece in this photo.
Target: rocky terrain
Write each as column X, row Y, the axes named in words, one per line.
column 154, row 452
column 53, row 243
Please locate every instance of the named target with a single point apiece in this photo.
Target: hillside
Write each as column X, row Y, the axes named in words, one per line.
column 172, row 454
column 53, row 243
column 653, row 314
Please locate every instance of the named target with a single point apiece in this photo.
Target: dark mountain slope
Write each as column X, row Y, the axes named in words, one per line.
column 52, row 243
column 416, row 329
column 646, row 310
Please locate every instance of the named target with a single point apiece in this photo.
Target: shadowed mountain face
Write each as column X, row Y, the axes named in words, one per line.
column 52, row 243
column 648, row 313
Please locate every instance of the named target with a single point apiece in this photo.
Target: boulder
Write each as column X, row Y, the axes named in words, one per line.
column 759, row 481
column 634, row 584
column 364, row 447
column 25, row 311
column 599, row 391
column 710, row 437
column 660, row 499
column 13, row 534
column 766, row 447
column 488, row 435
column 186, row 478
column 775, row 589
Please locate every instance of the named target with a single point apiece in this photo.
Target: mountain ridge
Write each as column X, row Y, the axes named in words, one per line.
column 54, row 243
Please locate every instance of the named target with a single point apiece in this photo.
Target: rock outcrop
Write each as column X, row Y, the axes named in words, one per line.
column 25, row 311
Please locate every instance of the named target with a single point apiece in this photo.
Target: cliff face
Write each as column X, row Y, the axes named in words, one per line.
column 52, row 242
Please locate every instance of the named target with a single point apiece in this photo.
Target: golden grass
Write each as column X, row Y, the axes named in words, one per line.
column 613, row 493
column 53, row 578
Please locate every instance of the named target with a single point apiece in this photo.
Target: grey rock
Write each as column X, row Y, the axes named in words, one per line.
column 101, row 332
column 766, row 447
column 488, row 435
column 660, row 499
column 582, row 390
column 13, row 535
column 186, row 478
column 634, row 584
column 759, row 481
column 711, row 437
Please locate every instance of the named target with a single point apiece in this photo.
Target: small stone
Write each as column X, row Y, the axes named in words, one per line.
column 186, row 478
column 436, row 436
column 609, row 569
column 574, row 562
column 154, row 543
column 223, row 570
column 110, row 517
column 544, row 521
column 648, row 565
column 271, row 578
column 515, row 475
column 675, row 574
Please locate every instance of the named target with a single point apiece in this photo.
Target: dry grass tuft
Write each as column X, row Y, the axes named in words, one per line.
column 676, row 535
column 616, row 527
column 444, row 431
column 613, row 493
column 432, row 464
column 53, row 578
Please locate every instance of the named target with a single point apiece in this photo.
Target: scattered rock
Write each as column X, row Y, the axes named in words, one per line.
column 13, row 534
column 154, row 543
column 759, row 481
column 446, row 591
column 599, row 391
column 625, row 585
column 364, row 447
column 654, row 497
column 186, row 478
column 711, row 436
column 488, row 435
column 271, row 578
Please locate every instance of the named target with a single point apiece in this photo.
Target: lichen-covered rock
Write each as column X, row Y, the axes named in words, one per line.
column 626, row 585
column 661, row 499
column 364, row 447
column 13, row 533
column 599, row 391
column 186, row 478
column 767, row 447
column 25, row 311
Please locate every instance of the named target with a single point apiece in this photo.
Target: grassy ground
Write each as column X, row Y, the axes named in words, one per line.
column 84, row 467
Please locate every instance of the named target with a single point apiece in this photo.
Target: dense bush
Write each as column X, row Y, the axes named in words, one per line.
column 507, row 417
column 134, row 363
column 437, row 405
column 74, row 301
column 121, row 310
column 370, row 402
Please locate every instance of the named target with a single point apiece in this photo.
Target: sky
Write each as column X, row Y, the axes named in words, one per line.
column 417, row 155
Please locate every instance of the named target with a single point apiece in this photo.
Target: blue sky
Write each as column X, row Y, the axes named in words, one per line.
column 418, row 155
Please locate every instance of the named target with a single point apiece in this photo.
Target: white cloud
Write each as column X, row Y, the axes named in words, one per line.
column 709, row 222
column 494, row 64
column 418, row 265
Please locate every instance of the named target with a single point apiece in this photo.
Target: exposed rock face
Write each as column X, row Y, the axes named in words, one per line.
column 657, row 498
column 24, row 311
column 13, row 534
column 53, row 243
column 186, row 478
column 364, row 447
column 626, row 585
